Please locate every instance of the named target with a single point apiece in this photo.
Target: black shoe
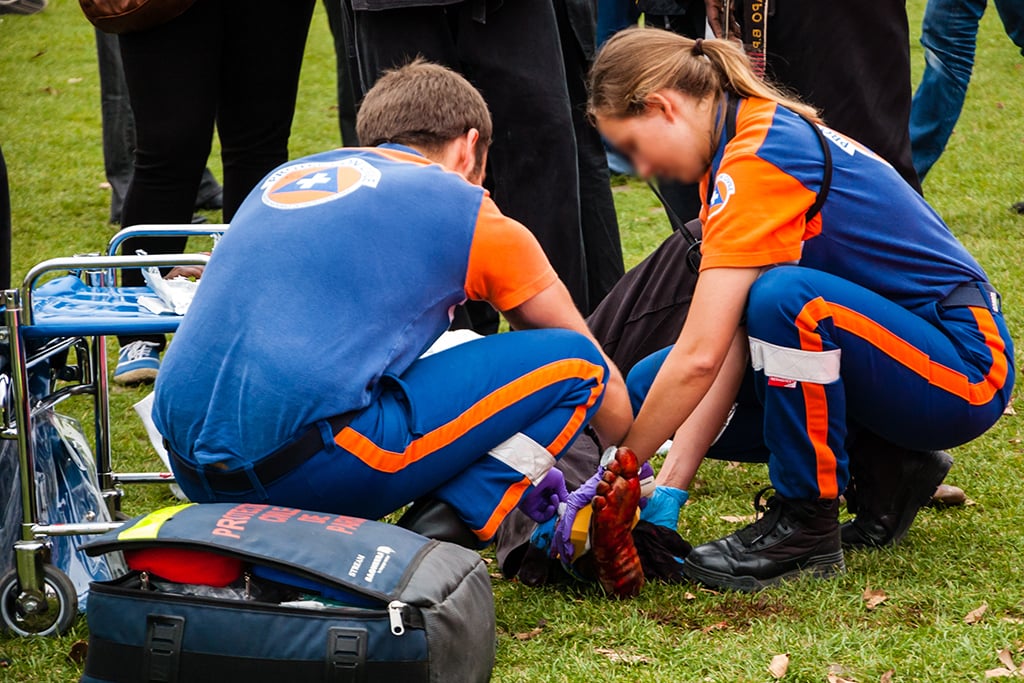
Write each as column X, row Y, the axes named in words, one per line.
column 888, row 485
column 792, row 538
column 436, row 519
column 212, row 202
column 1018, row 207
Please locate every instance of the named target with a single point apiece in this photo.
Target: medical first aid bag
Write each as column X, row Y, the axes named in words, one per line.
column 256, row 593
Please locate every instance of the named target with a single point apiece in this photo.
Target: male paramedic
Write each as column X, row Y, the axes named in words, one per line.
column 295, row 379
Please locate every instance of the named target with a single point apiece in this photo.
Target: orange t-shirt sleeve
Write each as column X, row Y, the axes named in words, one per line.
column 506, row 263
column 757, row 217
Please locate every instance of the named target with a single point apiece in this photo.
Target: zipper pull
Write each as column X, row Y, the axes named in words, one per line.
column 248, row 586
column 144, row 580
column 395, row 616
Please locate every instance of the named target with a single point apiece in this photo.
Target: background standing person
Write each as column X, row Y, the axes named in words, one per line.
column 513, row 53
column 220, row 62
column 949, row 35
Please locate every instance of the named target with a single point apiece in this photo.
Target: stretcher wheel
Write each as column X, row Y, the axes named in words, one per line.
column 53, row 614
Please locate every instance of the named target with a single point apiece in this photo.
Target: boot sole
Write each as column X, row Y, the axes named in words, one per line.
column 820, row 567
column 923, row 497
column 133, row 377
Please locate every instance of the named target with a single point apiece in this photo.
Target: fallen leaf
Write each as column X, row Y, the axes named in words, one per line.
column 50, row 90
column 837, row 674
column 975, row 615
column 689, row 596
column 79, row 649
column 887, row 676
column 105, row 185
column 969, row 502
column 779, row 666
column 739, row 519
column 715, row 627
column 529, row 635
column 873, row 598
column 732, row 465
column 622, row 657
column 1000, row 105
column 74, row 79
column 1013, row 620
column 998, row 673
column 1006, row 659
column 1009, row 410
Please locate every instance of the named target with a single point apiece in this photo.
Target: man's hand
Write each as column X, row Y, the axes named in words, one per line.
column 187, row 272
column 541, row 503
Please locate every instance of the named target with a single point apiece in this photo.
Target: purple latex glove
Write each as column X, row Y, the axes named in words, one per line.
column 561, row 544
column 541, row 502
column 646, row 484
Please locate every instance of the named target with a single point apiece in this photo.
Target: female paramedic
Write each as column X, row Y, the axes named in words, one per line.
column 862, row 312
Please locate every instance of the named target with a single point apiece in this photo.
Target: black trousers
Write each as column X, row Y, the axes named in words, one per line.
column 225, row 62
column 514, row 57
column 852, row 63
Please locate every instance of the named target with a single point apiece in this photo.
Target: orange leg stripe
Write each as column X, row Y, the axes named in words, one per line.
column 511, row 498
column 571, row 427
column 392, row 461
column 918, row 361
column 901, row 351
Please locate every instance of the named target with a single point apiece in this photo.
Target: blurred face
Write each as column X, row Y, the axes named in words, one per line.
column 672, row 138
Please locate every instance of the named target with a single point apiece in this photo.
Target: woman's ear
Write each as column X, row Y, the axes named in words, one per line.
column 658, row 103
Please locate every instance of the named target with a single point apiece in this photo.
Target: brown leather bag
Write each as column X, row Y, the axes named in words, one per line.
column 126, row 16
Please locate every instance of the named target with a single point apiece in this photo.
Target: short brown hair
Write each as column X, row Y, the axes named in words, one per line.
column 423, row 105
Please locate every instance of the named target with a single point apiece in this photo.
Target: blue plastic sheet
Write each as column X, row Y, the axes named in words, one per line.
column 67, row 491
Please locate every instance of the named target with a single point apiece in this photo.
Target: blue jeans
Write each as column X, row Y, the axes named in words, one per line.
column 949, row 35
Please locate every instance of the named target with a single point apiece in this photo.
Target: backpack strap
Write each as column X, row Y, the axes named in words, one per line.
column 826, row 181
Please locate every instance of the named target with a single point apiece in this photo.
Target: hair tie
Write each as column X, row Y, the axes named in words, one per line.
column 698, row 47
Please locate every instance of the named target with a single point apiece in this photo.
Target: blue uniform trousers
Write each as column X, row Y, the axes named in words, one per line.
column 829, row 356
column 472, row 426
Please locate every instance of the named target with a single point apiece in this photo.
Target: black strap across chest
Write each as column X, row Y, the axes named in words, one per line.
column 731, row 106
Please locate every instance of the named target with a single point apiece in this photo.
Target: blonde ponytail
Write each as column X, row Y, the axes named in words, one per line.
column 640, row 61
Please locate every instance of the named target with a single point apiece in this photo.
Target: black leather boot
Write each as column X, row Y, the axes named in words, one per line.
column 792, row 538
column 888, row 485
column 436, row 519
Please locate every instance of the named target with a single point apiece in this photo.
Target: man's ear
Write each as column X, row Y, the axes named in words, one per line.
column 467, row 151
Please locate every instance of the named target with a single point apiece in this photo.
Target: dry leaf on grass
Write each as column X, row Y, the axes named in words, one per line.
column 1006, row 659
column 689, row 596
column 998, row 673
column 887, row 676
column 715, row 627
column 779, row 665
column 1013, row 620
column 528, row 635
column 74, row 79
column 975, row 615
column 739, row 519
column 78, row 651
column 834, row 678
column 1009, row 410
column 873, row 598
column 616, row 656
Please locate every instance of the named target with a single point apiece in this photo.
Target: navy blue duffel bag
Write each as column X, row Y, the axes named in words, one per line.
column 256, row 593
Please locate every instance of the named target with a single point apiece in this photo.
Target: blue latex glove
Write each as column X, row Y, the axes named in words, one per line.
column 542, row 500
column 663, row 507
column 561, row 543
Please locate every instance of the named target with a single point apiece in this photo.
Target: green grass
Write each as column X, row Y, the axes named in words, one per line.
column 951, row 562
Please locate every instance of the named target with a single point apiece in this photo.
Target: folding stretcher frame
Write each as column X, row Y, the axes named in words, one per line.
column 39, row 597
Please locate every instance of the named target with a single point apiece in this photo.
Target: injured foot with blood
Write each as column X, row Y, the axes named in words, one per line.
column 615, row 507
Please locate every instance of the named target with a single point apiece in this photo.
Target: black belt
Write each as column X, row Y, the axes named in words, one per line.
column 266, row 470
column 974, row 294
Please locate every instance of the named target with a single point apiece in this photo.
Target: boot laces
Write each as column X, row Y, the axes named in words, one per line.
column 138, row 349
column 767, row 512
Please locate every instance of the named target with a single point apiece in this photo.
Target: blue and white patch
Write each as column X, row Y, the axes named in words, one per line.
column 298, row 186
column 724, row 189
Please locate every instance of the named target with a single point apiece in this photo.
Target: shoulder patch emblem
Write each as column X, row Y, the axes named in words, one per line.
column 301, row 185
